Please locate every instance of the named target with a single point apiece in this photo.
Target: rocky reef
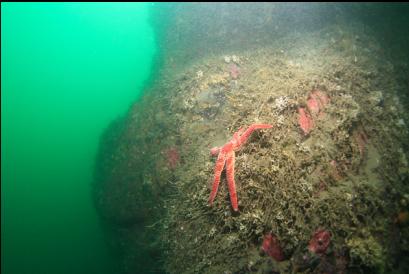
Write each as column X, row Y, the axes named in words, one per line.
column 324, row 191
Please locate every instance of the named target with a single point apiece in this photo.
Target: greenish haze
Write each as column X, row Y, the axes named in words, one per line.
column 67, row 70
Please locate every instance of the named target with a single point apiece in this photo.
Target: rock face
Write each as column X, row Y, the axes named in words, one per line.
column 172, row 157
column 154, row 171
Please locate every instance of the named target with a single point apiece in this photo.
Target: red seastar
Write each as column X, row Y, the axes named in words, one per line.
column 226, row 155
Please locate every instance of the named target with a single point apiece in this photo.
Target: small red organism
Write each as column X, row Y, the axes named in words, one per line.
column 272, row 248
column 316, row 102
column 319, row 241
column 321, row 96
column 172, row 157
column 305, row 121
column 234, row 71
column 313, row 106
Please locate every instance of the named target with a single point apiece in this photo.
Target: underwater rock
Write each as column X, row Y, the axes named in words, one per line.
column 319, row 241
column 376, row 98
column 335, row 174
column 272, row 248
column 303, row 260
column 361, row 139
column 367, row 249
column 172, row 157
column 276, row 174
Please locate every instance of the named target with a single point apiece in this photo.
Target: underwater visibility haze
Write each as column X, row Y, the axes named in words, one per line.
column 67, row 70
column 205, row 138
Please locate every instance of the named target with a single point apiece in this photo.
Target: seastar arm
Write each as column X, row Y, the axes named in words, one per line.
column 221, row 159
column 243, row 138
column 239, row 132
column 231, row 158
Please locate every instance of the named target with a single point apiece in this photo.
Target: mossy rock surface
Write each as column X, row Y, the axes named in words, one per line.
column 348, row 175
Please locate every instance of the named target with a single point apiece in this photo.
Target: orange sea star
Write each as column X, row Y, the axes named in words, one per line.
column 226, row 154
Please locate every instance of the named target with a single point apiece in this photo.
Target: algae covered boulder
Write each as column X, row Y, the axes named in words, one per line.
column 324, row 190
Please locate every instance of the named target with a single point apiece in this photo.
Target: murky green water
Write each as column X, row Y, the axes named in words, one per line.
column 98, row 179
column 67, row 71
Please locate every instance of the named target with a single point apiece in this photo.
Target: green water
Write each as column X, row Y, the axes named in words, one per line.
column 67, row 70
